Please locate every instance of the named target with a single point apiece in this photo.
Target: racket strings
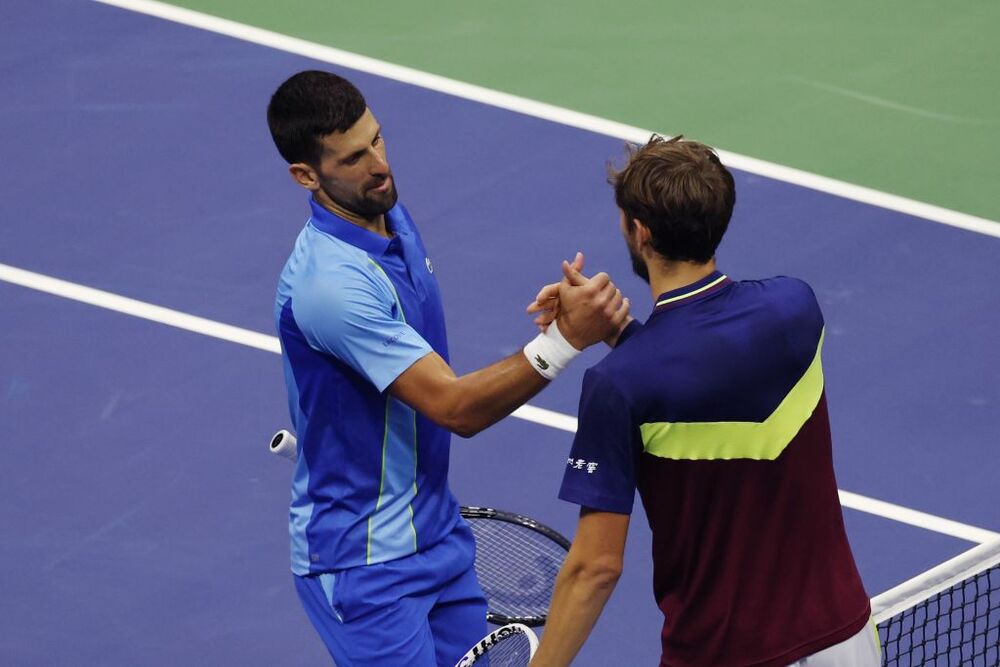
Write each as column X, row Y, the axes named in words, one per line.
column 516, row 566
column 512, row 645
column 513, row 651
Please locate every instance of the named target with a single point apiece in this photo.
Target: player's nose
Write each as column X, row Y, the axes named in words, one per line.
column 379, row 165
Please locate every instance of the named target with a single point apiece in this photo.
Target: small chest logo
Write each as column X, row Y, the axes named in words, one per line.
column 430, row 267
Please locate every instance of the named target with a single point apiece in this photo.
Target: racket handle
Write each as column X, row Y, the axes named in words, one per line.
column 285, row 445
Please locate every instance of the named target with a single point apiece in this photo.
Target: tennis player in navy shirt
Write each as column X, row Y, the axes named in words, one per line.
column 715, row 410
column 383, row 562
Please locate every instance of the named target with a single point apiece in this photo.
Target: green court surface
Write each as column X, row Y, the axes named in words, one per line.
column 901, row 96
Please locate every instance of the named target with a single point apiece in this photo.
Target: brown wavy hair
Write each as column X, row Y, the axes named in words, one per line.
column 681, row 191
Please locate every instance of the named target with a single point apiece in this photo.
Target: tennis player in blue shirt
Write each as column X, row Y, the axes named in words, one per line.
column 714, row 410
column 383, row 562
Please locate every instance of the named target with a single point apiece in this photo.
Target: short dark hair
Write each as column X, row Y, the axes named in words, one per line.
column 681, row 191
column 309, row 106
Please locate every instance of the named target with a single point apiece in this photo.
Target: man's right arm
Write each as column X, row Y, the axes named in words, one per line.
column 585, row 582
column 593, row 308
column 466, row 405
column 600, row 477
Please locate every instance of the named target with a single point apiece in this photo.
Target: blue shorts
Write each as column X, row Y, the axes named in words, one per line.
column 426, row 609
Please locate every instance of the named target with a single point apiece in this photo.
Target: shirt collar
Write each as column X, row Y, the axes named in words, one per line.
column 696, row 291
column 348, row 232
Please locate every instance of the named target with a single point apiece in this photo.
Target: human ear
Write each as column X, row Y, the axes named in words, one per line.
column 304, row 175
column 641, row 231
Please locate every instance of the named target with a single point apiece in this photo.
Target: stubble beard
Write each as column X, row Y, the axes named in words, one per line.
column 370, row 204
column 638, row 264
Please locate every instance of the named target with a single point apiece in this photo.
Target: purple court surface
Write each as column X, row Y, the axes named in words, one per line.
column 144, row 522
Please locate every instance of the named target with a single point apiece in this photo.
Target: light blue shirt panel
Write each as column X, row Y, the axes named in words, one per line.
column 347, row 308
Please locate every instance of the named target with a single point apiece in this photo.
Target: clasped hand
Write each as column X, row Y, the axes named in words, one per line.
column 588, row 310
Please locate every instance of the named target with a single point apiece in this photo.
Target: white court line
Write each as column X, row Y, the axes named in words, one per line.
column 916, row 518
column 546, row 111
column 141, row 309
column 557, row 420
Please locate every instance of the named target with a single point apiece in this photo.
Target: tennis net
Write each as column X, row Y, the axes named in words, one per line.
column 949, row 615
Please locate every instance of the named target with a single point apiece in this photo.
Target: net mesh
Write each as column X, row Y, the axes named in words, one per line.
column 516, row 566
column 950, row 622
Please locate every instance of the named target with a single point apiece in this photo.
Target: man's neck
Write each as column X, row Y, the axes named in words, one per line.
column 667, row 276
column 376, row 225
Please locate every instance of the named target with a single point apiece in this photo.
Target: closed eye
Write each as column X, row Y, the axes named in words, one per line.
column 353, row 157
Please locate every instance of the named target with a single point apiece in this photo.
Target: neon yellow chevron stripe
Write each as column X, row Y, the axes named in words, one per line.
column 740, row 440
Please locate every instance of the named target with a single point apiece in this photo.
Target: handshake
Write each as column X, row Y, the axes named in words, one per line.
column 585, row 310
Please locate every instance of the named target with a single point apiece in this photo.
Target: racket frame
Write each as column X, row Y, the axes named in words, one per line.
column 474, row 513
column 483, row 646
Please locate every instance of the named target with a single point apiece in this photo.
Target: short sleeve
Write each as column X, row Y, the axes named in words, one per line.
column 600, row 470
column 353, row 315
column 798, row 299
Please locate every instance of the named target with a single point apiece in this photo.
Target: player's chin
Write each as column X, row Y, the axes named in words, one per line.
column 383, row 201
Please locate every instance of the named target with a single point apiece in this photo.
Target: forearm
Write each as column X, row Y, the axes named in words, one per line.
column 585, row 582
column 466, row 405
column 480, row 399
column 577, row 602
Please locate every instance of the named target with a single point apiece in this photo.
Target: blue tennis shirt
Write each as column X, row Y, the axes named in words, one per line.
column 353, row 311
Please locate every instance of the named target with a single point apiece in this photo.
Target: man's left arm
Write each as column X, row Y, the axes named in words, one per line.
column 585, row 582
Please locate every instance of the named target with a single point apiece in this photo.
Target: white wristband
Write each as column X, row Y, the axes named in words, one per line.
column 549, row 352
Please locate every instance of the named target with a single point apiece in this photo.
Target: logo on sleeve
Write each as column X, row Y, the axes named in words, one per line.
column 430, row 267
column 581, row 464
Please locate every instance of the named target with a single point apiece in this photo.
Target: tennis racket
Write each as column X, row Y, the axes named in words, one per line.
column 512, row 645
column 517, row 558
